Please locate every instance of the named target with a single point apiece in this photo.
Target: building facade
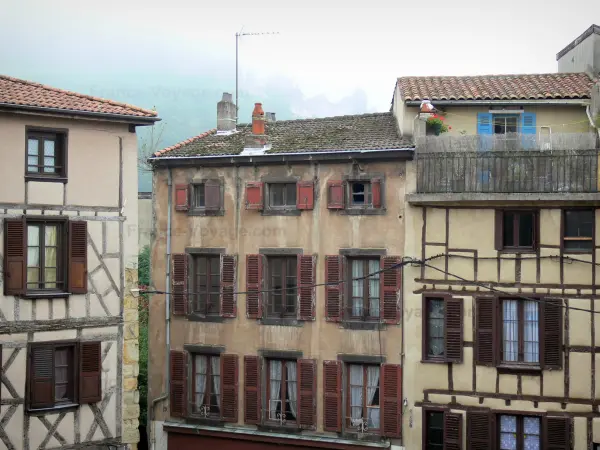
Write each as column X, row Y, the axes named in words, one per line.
column 68, row 220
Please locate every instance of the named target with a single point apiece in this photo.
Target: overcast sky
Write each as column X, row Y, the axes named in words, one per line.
column 324, row 47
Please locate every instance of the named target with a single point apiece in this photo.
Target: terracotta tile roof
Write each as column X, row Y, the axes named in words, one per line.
column 497, row 87
column 330, row 134
column 14, row 91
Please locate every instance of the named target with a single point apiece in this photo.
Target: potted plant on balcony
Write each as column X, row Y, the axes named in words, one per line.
column 436, row 125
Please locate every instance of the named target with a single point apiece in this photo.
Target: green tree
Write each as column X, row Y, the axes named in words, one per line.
column 143, row 281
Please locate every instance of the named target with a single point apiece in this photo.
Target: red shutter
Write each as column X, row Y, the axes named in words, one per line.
column 391, row 414
column 306, row 295
column 254, row 195
column 78, row 257
column 179, row 284
column 15, row 251
column 557, row 433
column 480, row 430
column 376, row 191
column 307, row 393
column 229, row 388
column 252, row 402
column 334, row 288
column 335, row 195
column 182, row 197
column 228, row 279
column 253, row 286
column 453, row 330
column 499, row 230
column 552, row 318
column 485, row 343
column 178, row 384
column 390, row 282
column 305, row 195
column 332, row 396
column 212, row 195
column 452, row 431
column 90, row 372
column 41, row 369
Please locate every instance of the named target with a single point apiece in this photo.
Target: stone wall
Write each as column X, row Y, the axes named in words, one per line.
column 131, row 395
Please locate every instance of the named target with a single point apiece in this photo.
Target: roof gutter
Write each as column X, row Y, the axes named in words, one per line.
column 578, row 102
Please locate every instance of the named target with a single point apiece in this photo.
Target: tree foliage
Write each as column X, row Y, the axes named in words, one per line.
column 143, row 281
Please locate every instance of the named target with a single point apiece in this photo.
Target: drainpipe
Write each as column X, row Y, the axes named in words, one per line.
column 165, row 393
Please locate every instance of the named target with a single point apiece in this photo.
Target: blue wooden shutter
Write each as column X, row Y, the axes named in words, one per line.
column 485, row 131
column 528, row 129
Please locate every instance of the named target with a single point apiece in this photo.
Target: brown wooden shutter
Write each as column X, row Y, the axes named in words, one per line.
column 391, row 406
column 390, row 285
column 252, row 404
column 552, row 333
column 212, row 195
column 178, row 386
column 485, row 343
column 499, row 230
column 254, row 195
column 557, row 433
column 254, row 286
column 307, row 393
column 307, row 290
column 335, row 195
column 179, row 284
column 376, row 191
column 15, row 259
column 228, row 282
column 452, row 431
column 480, row 430
column 229, row 388
column 78, row 257
column 90, row 372
column 305, row 195
column 332, row 396
column 334, row 288
column 453, row 330
column 41, row 376
column 182, row 197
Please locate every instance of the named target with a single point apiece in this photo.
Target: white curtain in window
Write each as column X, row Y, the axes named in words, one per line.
column 215, row 369
column 292, row 387
column 532, row 345
column 200, row 388
column 372, row 388
column 531, row 432
column 508, row 432
column 275, row 388
column 374, row 289
column 357, row 288
column 511, row 330
column 356, row 391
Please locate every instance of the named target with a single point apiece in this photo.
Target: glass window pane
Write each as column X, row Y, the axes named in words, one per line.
column 276, row 194
column 374, row 288
column 33, row 275
column 49, row 148
column 435, row 326
column 579, row 223
column 526, row 224
column 510, row 330
column 583, row 245
column 49, row 161
column 199, row 196
column 32, row 169
column 33, row 257
column 32, row 147
column 290, row 198
column 531, row 335
column 358, row 193
column 32, row 161
column 33, row 235
column 51, row 234
column 357, row 287
column 508, row 237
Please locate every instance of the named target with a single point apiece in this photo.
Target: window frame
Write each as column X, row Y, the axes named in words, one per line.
column 347, row 420
column 426, row 356
column 563, row 237
column 499, row 230
column 366, row 289
column 270, row 259
column 194, row 410
column 60, row 138
column 368, row 195
column 426, row 411
column 520, row 429
column 283, row 398
column 62, row 269
column 194, row 210
column 521, row 330
column 195, row 285
column 285, row 186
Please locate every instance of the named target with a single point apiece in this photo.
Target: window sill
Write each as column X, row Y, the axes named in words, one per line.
column 277, row 428
column 518, row 250
column 362, row 325
column 281, row 321
column 519, row 369
column 210, row 421
column 577, row 252
column 199, row 318
column 47, row 178
column 434, row 361
column 282, row 212
column 370, row 436
column 204, row 212
column 45, row 295
column 54, row 409
column 354, row 211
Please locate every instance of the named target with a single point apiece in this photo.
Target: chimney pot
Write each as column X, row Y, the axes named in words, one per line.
column 258, row 120
column 226, row 113
column 270, row 117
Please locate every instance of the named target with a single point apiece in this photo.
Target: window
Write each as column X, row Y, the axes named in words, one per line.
column 520, row 331
column 205, row 197
column 363, row 396
column 207, row 385
column 282, row 195
column 508, row 127
column 45, row 256
column 434, row 430
column 519, row 433
column 199, row 200
column 360, row 193
column 282, row 391
column 435, row 328
column 283, row 294
column 364, row 292
column 46, row 154
column 578, row 230
column 518, row 230
column 207, row 284
column 442, row 328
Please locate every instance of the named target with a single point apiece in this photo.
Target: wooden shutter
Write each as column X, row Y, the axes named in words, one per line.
column 376, row 192
column 305, row 195
column 485, row 131
column 391, row 406
column 182, row 197
column 254, row 286
column 557, row 433
column 41, row 376
column 307, row 393
column 15, row 251
column 480, row 430
column 528, row 130
column 254, row 195
column 252, row 404
column 452, row 431
column 335, row 195
column 90, row 372
column 453, row 330
column 334, row 288
column 228, row 282
column 389, row 291
column 178, row 386
column 78, row 257
column 229, row 388
column 551, row 312
column 332, row 396
column 485, row 343
column 306, row 291
column 179, row 284
column 212, row 195
column 499, row 229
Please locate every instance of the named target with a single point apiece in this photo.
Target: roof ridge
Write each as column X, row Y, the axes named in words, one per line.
column 344, row 116
column 555, row 74
column 185, row 142
column 76, row 94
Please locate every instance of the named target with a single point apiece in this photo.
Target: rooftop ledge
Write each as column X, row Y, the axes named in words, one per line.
column 493, row 199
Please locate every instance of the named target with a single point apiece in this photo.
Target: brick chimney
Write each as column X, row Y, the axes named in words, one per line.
column 258, row 120
column 226, row 114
